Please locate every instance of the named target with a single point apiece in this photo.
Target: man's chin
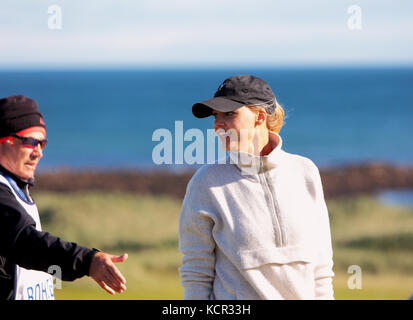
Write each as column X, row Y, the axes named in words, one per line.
column 27, row 174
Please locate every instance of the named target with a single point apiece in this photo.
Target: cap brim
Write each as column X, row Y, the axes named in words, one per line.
column 204, row 109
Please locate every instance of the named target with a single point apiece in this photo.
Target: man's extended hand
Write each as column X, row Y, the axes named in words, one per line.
column 104, row 272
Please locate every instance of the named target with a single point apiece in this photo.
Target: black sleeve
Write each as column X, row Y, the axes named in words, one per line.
column 22, row 244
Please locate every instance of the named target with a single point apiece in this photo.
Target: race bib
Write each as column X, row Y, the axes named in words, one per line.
column 34, row 285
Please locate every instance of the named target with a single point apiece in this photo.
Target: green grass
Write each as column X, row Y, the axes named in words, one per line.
column 383, row 286
column 377, row 238
column 147, row 279
column 365, row 233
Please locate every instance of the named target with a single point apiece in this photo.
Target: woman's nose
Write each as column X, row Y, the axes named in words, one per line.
column 219, row 122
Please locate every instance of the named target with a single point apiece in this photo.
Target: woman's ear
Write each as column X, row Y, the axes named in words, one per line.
column 261, row 116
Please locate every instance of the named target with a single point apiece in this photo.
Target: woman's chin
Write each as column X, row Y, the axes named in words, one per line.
column 232, row 148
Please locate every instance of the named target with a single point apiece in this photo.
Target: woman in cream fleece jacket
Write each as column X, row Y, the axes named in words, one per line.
column 256, row 226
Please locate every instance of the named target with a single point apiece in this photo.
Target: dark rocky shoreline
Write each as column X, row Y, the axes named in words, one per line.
column 337, row 182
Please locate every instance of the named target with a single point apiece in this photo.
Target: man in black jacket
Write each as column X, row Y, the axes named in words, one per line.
column 26, row 252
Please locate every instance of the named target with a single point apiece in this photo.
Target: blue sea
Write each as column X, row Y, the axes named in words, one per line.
column 403, row 198
column 106, row 118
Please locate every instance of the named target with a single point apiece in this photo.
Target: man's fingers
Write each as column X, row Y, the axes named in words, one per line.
column 121, row 258
column 117, row 275
column 106, row 287
column 114, row 284
column 111, row 281
column 117, row 278
column 105, row 273
column 115, row 271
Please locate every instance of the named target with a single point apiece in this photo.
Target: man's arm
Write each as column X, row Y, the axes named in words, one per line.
column 22, row 244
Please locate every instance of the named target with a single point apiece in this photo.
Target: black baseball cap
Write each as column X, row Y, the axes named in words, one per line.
column 236, row 92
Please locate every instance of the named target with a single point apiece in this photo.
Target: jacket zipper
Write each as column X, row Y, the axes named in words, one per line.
column 273, row 208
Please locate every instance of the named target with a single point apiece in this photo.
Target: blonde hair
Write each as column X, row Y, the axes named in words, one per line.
column 275, row 120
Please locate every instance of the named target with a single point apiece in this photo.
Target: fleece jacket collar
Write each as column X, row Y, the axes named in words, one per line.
column 250, row 163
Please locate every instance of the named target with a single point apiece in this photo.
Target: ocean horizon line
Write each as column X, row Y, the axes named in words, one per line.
column 203, row 68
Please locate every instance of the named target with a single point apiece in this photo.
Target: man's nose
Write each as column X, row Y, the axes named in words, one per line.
column 38, row 151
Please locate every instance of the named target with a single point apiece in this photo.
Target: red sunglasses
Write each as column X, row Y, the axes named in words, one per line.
column 31, row 142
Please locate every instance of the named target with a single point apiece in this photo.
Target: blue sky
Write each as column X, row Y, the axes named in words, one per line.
column 122, row 33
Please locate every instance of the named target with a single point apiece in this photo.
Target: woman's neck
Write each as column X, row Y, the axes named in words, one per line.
column 263, row 143
column 270, row 145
